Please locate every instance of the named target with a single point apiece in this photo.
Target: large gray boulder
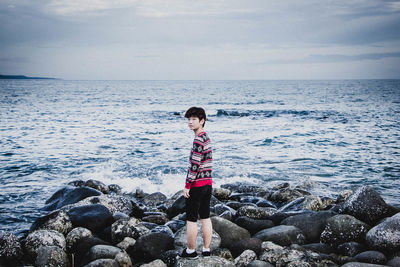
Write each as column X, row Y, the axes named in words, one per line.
column 154, row 199
column 103, row 263
column 102, row 252
column 253, row 225
column 37, row 239
column 344, row 228
column 228, row 231
column 211, row 261
column 366, row 205
column 256, row 212
column 311, row 224
column 127, row 228
column 283, row 235
column 94, row 217
column 149, row 246
column 10, row 248
column 57, row 220
column 51, row 256
column 114, row 203
column 253, row 244
column 76, row 235
column 69, row 195
column 311, row 202
column 371, row 256
column 180, row 241
column 245, row 258
column 386, row 235
column 98, row 185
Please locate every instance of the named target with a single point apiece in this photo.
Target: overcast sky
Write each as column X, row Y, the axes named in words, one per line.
column 201, row 39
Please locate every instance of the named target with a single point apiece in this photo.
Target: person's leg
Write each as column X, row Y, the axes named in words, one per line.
column 207, row 232
column 191, row 234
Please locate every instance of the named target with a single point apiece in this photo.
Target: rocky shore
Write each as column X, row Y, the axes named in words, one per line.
column 92, row 224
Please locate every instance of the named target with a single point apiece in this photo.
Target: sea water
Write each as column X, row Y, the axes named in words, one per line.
column 333, row 134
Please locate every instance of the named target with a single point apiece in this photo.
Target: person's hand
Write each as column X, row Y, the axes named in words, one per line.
column 186, row 193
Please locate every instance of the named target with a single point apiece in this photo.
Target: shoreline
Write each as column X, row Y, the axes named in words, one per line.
column 91, row 223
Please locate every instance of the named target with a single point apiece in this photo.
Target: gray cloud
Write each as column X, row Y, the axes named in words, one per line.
column 156, row 30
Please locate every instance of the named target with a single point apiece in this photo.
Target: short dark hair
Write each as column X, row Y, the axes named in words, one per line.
column 196, row 112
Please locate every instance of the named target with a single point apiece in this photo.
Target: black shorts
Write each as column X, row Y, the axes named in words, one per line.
column 198, row 204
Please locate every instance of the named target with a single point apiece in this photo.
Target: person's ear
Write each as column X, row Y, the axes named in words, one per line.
column 202, row 121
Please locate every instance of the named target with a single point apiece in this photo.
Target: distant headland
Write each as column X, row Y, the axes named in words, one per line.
column 23, row 77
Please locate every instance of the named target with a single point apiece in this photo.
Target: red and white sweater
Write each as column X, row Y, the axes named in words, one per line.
column 199, row 172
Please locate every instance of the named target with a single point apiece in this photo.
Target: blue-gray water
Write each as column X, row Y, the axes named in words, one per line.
column 340, row 134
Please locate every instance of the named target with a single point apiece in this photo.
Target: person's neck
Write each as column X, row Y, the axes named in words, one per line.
column 198, row 131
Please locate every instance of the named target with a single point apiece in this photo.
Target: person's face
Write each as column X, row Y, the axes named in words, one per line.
column 194, row 123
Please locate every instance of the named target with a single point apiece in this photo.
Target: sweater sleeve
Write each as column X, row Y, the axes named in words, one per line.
column 196, row 156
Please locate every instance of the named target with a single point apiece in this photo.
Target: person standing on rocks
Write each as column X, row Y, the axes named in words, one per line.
column 198, row 185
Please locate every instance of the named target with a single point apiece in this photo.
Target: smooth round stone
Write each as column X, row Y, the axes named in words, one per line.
column 386, row 235
column 51, row 256
column 175, row 225
column 58, row 221
column 253, row 225
column 76, row 235
column 256, row 212
column 238, row 247
column 100, row 186
column 149, row 246
column 245, row 258
column 228, row 231
column 283, row 235
column 94, row 217
column 40, row 238
column 343, row 228
column 374, row 257
column 258, row 263
column 10, row 248
column 351, row 248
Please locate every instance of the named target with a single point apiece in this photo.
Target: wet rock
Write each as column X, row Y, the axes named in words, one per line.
column 245, row 258
column 350, row 248
column 181, row 242
column 287, row 194
column 228, row 231
column 149, row 225
column 156, row 263
column 149, row 246
column 221, row 208
column 52, row 256
column 243, row 188
column 175, row 225
column 280, row 256
column 58, row 221
column 154, row 199
column 94, row 217
column 103, row 263
column 374, row 257
column 386, row 235
column 83, row 246
column 258, row 263
column 76, row 235
column 37, row 239
column 127, row 228
column 250, row 199
column 359, row 264
column 114, row 203
column 395, row 262
column 311, row 224
column 69, row 195
column 10, row 248
column 343, row 228
column 114, row 188
column 157, row 219
column 103, row 252
column 100, row 186
column 343, row 196
column 265, row 203
column 123, row 259
column 127, row 244
column 278, row 217
column 366, row 205
column 211, row 261
column 222, row 253
column 137, row 210
column 256, row 212
column 221, row 193
column 119, row 215
column 253, row 244
column 313, row 203
column 319, row 248
column 237, row 205
column 177, row 207
column 253, row 225
column 162, row 229
column 77, row 183
column 283, row 235
column 169, row 257
column 227, row 215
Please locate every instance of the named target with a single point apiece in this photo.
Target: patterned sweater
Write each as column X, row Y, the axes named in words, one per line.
column 199, row 172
